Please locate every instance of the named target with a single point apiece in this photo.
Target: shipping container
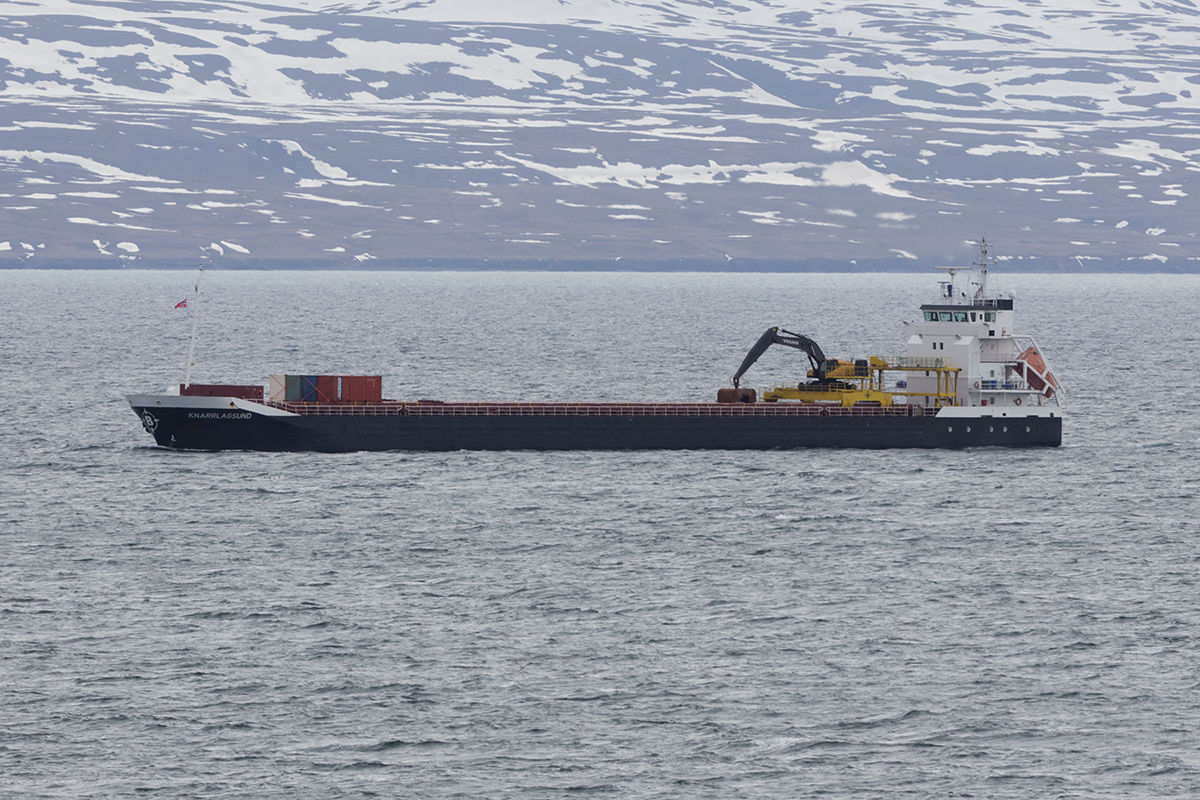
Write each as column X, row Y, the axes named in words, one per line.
column 362, row 388
column 327, row 388
column 242, row 392
column 294, row 389
column 308, row 388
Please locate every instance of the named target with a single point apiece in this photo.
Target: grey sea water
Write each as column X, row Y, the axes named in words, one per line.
column 979, row 623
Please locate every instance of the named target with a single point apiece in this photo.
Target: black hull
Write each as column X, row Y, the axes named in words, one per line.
column 184, row 428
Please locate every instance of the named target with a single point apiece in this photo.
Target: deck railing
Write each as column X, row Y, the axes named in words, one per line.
column 392, row 408
column 915, row 362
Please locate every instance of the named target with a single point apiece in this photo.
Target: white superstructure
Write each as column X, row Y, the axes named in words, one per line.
column 995, row 367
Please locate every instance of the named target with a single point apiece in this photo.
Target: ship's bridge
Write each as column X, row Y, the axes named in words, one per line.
column 983, row 318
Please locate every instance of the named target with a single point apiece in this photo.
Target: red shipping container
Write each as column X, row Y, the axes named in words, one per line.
column 327, row 389
column 362, row 388
column 221, row 390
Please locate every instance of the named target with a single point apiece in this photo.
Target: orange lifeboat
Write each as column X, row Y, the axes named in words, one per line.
column 1035, row 372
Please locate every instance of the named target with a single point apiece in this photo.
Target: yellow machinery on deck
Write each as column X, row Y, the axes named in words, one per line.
column 863, row 382
column 845, row 383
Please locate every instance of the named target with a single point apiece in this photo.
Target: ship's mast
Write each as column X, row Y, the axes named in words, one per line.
column 985, row 260
column 187, row 378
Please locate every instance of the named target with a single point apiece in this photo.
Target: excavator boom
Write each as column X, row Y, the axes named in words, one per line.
column 778, row 335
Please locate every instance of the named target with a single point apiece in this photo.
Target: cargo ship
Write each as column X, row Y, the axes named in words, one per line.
column 967, row 379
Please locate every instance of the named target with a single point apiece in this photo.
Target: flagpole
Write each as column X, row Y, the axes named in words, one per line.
column 187, row 379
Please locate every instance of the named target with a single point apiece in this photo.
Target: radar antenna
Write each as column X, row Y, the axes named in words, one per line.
column 985, row 260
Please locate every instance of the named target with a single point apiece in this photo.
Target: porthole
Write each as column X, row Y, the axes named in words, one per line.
column 1027, row 429
column 1004, row 429
column 991, row 429
column 968, row 429
column 949, row 429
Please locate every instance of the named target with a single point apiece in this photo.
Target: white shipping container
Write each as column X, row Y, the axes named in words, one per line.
column 278, row 388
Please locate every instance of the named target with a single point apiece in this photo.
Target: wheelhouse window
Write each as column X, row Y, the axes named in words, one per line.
column 946, row 316
column 931, row 316
column 960, row 316
column 972, row 316
column 989, row 316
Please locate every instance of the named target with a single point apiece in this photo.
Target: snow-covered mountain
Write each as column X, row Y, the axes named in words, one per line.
column 693, row 132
